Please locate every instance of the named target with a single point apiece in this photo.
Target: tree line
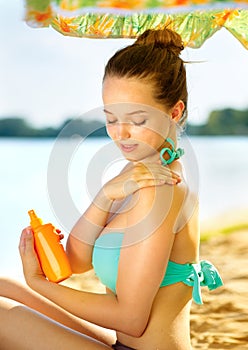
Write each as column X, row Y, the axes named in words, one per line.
column 19, row 127
column 220, row 122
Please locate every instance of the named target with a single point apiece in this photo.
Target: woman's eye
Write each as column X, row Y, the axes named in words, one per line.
column 140, row 123
column 136, row 123
column 111, row 121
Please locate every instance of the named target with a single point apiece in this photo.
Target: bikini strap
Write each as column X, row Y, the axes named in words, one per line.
column 173, row 153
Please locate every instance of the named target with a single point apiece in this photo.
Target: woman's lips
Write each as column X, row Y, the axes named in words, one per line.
column 128, row 148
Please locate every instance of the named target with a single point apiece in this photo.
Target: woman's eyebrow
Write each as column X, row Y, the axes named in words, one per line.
column 106, row 111
column 139, row 111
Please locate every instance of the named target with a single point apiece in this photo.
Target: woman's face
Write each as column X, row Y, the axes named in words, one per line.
column 135, row 121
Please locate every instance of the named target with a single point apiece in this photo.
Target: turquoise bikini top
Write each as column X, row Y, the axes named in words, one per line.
column 105, row 261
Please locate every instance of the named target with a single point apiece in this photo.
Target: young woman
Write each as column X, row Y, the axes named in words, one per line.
column 140, row 234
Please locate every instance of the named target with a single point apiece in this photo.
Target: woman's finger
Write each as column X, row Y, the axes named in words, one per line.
column 26, row 245
column 31, row 266
column 157, row 171
column 171, row 173
column 156, row 182
column 176, row 177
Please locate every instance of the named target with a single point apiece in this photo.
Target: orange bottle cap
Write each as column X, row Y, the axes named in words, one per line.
column 34, row 220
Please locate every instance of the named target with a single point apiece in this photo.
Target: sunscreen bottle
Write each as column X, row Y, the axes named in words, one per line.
column 53, row 259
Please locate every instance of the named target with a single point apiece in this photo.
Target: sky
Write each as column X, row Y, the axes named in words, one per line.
column 46, row 77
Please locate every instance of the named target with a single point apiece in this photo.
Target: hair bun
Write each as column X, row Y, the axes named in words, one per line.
column 163, row 38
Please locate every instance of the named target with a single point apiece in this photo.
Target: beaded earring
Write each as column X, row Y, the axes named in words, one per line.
column 173, row 153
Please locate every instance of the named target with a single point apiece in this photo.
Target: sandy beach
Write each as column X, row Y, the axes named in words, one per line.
column 222, row 321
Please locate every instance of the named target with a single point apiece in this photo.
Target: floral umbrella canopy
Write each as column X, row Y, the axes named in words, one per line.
column 195, row 20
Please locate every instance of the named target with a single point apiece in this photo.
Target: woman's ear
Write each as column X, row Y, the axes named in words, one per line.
column 177, row 111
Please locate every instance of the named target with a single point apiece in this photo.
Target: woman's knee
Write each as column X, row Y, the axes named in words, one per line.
column 6, row 306
column 5, row 286
column 8, row 287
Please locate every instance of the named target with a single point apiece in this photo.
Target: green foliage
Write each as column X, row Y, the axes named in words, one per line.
column 206, row 235
column 82, row 127
column 15, row 127
column 18, row 127
column 220, row 122
column 38, row 5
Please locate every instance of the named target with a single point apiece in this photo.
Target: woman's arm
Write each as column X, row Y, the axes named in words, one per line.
column 107, row 202
column 142, row 263
column 83, row 235
column 148, row 242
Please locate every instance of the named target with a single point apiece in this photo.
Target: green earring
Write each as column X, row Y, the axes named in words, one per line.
column 174, row 154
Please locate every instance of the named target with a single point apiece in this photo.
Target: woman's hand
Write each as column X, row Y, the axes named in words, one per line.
column 139, row 175
column 31, row 266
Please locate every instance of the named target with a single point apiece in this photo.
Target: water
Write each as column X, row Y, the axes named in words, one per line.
column 222, row 164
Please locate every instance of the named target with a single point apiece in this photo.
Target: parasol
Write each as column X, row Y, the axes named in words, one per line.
column 195, row 20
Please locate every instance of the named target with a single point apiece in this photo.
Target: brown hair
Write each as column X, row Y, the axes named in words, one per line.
column 154, row 56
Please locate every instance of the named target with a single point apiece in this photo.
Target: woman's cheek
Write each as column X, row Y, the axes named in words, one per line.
column 111, row 131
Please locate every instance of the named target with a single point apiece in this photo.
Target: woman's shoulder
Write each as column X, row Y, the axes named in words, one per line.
column 163, row 194
column 156, row 201
column 175, row 204
column 187, row 207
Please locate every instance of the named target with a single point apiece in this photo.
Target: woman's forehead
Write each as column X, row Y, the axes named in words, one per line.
column 133, row 110
column 131, row 91
column 127, row 90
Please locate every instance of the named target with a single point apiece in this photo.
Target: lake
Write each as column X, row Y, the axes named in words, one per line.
column 35, row 174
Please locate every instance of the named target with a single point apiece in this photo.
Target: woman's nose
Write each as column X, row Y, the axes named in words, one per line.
column 123, row 131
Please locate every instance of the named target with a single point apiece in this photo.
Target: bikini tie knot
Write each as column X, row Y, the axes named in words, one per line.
column 173, row 153
column 204, row 274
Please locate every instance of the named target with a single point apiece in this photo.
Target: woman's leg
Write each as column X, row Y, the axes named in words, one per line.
column 23, row 294
column 25, row 329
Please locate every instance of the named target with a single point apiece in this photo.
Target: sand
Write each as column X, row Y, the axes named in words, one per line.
column 222, row 321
